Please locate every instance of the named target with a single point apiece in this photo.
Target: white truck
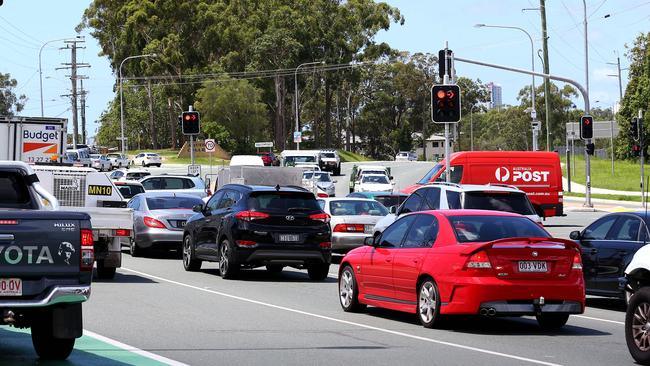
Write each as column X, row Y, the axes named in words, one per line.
column 300, row 157
column 33, row 139
column 92, row 192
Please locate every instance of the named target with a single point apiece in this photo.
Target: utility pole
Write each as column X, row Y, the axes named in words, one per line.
column 620, row 84
column 82, row 95
column 71, row 44
column 547, row 87
column 154, row 140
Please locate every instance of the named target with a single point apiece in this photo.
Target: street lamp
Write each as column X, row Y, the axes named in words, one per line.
column 40, row 69
column 295, row 85
column 122, row 98
column 533, row 113
column 471, row 127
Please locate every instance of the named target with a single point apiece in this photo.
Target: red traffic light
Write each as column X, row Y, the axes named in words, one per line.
column 441, row 94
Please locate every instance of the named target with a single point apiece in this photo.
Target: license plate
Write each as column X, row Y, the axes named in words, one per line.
column 532, row 266
column 180, row 223
column 11, row 287
column 368, row 229
column 289, row 237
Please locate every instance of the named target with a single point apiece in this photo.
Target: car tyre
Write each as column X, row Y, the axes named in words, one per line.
column 228, row 266
column 47, row 346
column 349, row 291
column 189, row 262
column 637, row 333
column 318, row 272
column 274, row 268
column 134, row 249
column 552, row 321
column 337, row 171
column 103, row 272
column 429, row 304
column 143, row 164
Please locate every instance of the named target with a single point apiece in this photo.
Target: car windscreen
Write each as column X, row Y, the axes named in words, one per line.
column 498, row 201
column 328, row 155
column 130, row 191
column 353, row 207
column 427, row 177
column 292, row 160
column 13, row 191
column 95, row 156
column 390, row 200
column 320, row 177
column 167, row 203
column 113, row 155
column 374, row 179
column 488, row 228
column 283, row 202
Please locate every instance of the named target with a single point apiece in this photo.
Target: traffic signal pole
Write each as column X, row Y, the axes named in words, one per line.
column 446, row 80
column 585, row 96
column 641, row 138
column 191, row 109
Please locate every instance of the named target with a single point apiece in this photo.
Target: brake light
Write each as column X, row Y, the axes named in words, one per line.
column 245, row 243
column 8, row 222
column 322, row 195
column 577, row 262
column 479, row 260
column 153, row 223
column 320, row 217
column 122, row 232
column 349, row 228
column 325, row 245
column 87, row 253
column 209, row 192
column 251, row 215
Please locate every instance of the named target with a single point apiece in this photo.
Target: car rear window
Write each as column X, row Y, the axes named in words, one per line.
column 13, row 191
column 167, row 203
column 130, row 191
column 389, row 201
column 378, row 179
column 488, row 228
column 499, row 201
column 283, row 201
column 353, row 207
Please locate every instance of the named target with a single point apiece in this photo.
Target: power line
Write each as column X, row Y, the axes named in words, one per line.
column 36, row 41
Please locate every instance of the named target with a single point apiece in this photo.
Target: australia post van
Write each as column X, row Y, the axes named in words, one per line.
column 537, row 173
column 32, row 139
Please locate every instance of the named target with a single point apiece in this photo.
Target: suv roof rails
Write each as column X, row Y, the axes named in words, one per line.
column 504, row 185
column 300, row 188
column 445, row 184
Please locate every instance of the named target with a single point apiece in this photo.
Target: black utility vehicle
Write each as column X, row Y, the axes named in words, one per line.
column 252, row 226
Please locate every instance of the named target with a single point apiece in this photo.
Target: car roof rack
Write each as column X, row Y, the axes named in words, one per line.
column 444, row 184
column 503, row 185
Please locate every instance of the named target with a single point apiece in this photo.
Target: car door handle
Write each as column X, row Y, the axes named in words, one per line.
column 388, row 260
column 593, row 251
column 622, row 252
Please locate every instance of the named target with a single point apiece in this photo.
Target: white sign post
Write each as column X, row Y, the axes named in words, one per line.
column 210, row 147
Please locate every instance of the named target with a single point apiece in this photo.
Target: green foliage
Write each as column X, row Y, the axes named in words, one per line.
column 220, row 133
column 347, row 156
column 9, row 102
column 627, row 173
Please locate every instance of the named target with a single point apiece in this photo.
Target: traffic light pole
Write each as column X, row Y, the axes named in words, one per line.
column 446, row 80
column 641, row 138
column 585, row 96
column 191, row 109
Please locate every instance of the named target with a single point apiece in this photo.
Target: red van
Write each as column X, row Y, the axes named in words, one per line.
column 537, row 173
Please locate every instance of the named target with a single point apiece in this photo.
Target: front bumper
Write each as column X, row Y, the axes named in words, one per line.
column 56, row 295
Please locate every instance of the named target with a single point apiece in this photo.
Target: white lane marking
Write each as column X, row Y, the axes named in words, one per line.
column 360, row 325
column 599, row 319
column 132, row 349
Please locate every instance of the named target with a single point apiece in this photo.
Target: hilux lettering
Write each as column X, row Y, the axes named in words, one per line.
column 14, row 254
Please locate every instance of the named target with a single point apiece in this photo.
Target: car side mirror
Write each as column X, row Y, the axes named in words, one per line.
column 390, row 177
column 335, row 181
column 575, row 235
column 369, row 241
column 198, row 208
column 392, row 209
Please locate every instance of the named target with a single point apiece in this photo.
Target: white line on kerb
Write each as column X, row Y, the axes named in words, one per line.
column 132, row 349
column 383, row 330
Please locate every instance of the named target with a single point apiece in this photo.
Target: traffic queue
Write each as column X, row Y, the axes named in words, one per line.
column 473, row 244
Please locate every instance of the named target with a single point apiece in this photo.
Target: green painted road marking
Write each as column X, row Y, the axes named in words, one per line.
column 16, row 349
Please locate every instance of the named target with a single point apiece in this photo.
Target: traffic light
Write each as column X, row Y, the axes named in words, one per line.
column 636, row 150
column 445, row 103
column 586, row 127
column 591, row 147
column 634, row 129
column 191, row 123
column 444, row 64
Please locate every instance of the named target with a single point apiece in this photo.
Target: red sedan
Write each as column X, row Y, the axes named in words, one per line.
column 435, row 263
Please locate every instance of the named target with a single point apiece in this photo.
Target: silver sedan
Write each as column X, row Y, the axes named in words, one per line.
column 159, row 219
column 353, row 220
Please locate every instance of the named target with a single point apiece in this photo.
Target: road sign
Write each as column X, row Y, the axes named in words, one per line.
column 266, row 144
column 297, row 137
column 537, row 125
column 210, row 145
column 194, row 170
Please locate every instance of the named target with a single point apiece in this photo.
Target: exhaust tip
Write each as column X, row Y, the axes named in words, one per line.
column 483, row 311
column 491, row 312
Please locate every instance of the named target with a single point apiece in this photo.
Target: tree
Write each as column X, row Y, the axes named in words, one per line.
column 9, row 102
column 236, row 105
column 637, row 95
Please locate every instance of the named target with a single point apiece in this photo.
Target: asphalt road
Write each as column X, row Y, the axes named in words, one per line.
column 285, row 319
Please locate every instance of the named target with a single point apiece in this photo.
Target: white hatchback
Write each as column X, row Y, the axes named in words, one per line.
column 147, row 159
column 374, row 183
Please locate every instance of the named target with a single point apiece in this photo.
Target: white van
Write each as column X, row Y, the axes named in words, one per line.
column 249, row 160
column 78, row 157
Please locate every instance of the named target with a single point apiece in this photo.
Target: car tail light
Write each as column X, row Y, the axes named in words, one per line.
column 251, row 215
column 320, row 217
column 87, row 253
column 479, row 260
column 151, row 222
column 577, row 262
column 322, row 195
column 325, row 245
column 8, row 222
column 349, row 228
column 122, row 232
column 245, row 243
column 209, row 192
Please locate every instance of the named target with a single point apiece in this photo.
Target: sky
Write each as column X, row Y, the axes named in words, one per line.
column 25, row 25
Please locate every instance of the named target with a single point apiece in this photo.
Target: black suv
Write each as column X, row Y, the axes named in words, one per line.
column 253, row 226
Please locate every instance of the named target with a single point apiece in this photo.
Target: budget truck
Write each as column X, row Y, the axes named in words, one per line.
column 33, row 139
column 46, row 262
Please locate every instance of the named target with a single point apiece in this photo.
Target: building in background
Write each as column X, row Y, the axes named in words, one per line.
column 435, row 146
column 495, row 95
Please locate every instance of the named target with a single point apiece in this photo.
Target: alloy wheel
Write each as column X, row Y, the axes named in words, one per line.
column 187, row 252
column 427, row 302
column 346, row 288
column 641, row 326
column 223, row 259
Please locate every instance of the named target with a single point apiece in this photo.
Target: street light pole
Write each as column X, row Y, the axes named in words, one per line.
column 588, row 141
column 122, row 138
column 295, row 89
column 533, row 113
column 471, row 128
column 40, row 69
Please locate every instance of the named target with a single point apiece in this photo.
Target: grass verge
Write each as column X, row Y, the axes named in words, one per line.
column 348, row 157
column 615, row 197
column 170, row 157
column 626, row 173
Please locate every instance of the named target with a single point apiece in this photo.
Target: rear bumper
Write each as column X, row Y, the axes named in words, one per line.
column 468, row 296
column 56, row 295
column 159, row 238
column 299, row 257
column 555, row 209
column 348, row 241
